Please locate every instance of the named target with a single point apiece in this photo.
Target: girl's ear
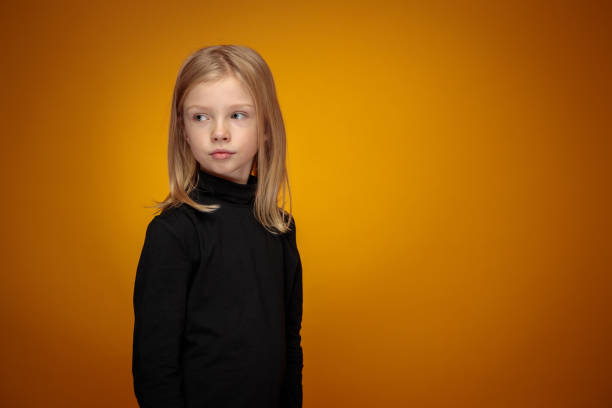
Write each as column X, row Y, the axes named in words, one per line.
column 266, row 137
column 182, row 132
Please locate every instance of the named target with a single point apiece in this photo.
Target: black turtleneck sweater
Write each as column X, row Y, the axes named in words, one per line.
column 217, row 306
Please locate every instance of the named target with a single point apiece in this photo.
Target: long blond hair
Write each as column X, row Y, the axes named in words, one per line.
column 209, row 64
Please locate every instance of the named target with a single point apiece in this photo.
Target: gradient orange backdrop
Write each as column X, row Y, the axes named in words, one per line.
column 450, row 170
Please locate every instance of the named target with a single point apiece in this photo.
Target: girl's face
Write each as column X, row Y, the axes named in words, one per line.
column 221, row 116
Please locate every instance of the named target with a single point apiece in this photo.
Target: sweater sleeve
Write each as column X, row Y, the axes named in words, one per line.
column 292, row 387
column 160, row 290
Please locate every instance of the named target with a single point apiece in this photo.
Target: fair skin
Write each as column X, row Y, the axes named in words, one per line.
column 221, row 115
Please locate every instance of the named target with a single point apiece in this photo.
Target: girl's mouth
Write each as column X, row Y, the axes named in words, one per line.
column 221, row 155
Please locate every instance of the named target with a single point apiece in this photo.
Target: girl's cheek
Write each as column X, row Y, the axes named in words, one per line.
column 245, row 124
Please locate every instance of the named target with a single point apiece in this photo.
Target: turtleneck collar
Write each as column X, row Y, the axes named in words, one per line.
column 227, row 190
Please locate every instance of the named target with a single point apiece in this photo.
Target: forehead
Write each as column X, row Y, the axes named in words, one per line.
column 227, row 91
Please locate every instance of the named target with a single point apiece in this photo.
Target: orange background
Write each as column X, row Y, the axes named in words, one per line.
column 450, row 170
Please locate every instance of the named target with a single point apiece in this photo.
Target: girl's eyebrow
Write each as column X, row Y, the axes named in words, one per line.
column 238, row 105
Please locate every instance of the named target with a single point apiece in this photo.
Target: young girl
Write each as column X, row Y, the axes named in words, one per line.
column 218, row 288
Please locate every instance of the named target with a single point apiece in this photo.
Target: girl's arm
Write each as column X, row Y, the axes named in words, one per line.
column 292, row 388
column 159, row 309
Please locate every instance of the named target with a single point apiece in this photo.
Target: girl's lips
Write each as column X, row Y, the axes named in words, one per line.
column 221, row 155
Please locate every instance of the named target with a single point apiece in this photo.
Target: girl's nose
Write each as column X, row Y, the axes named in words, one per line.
column 220, row 130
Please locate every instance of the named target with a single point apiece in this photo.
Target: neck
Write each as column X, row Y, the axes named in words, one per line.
column 225, row 190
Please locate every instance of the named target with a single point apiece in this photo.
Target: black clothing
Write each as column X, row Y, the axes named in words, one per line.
column 217, row 306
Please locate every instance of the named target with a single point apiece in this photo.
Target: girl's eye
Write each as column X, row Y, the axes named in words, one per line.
column 199, row 115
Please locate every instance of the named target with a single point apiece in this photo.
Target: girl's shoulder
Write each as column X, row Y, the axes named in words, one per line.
column 291, row 233
column 180, row 223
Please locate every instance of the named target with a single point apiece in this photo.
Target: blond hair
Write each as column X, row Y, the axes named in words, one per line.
column 210, row 64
